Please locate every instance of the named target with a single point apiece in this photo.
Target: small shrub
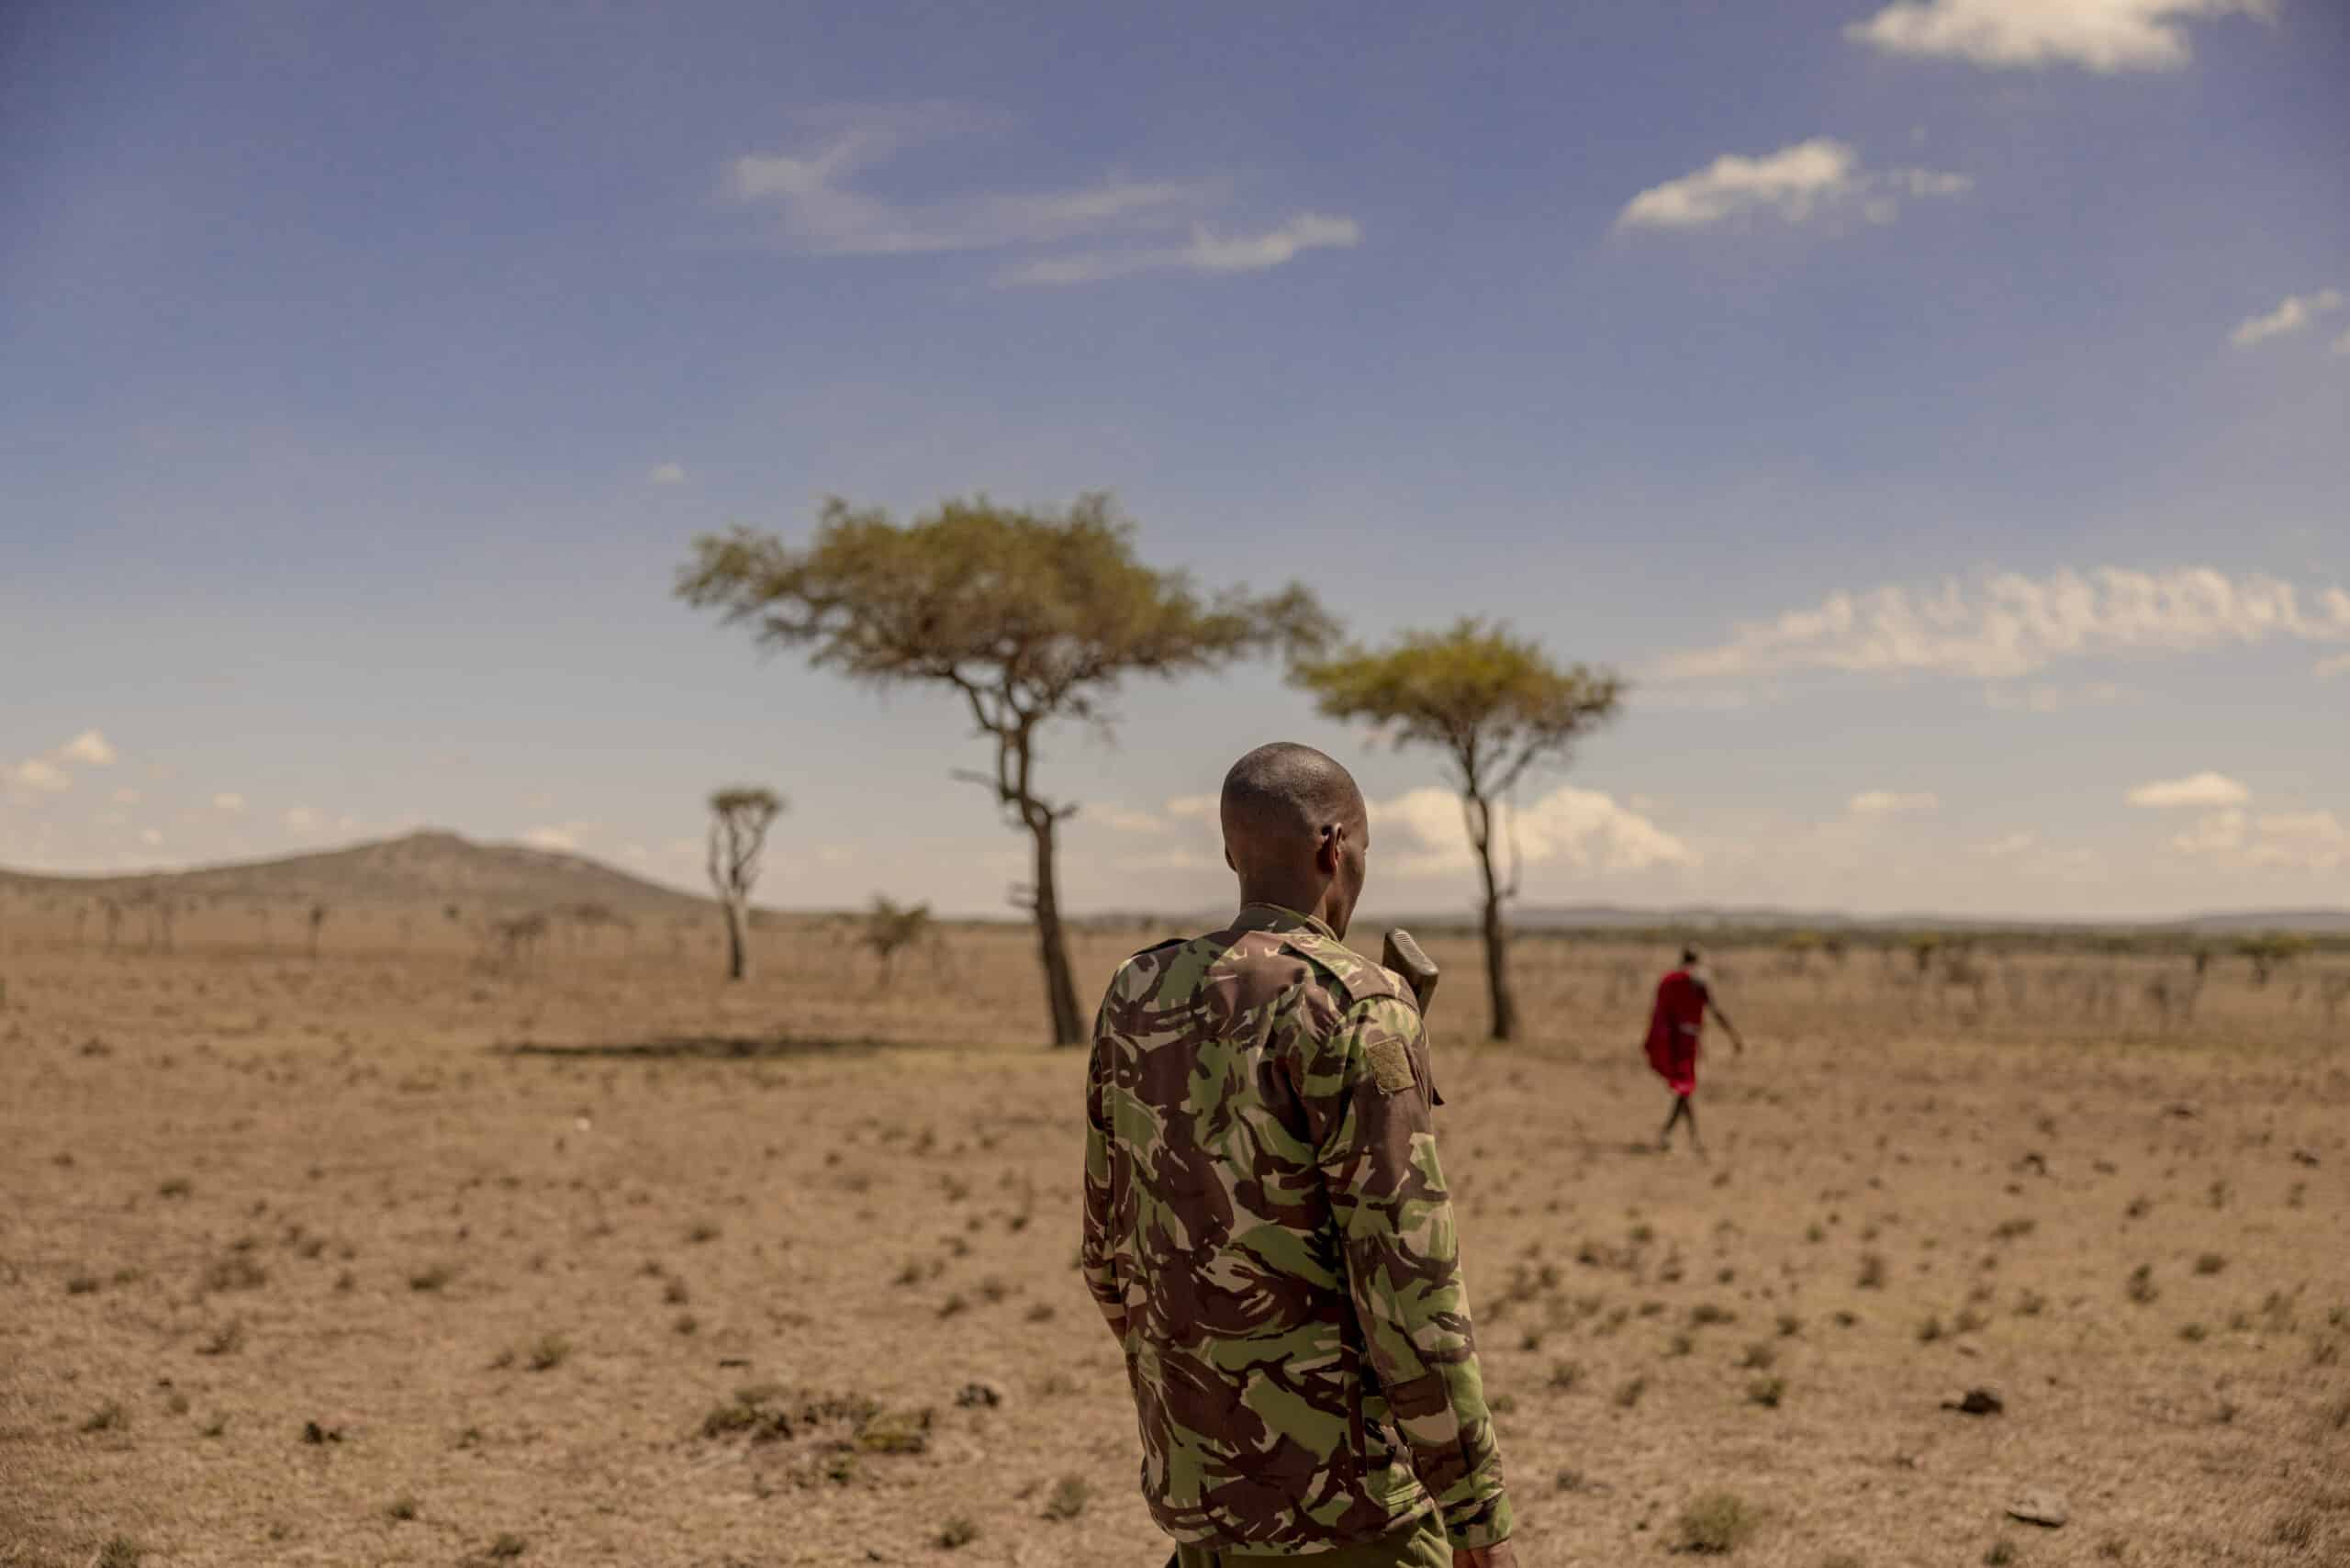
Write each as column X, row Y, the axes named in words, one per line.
column 2194, row 1333
column 1501, row 1404
column 506, row 1547
column 1070, row 1494
column 1758, row 1356
column 401, row 1508
column 957, row 1531
column 2031, row 1303
column 108, row 1417
column 1789, row 1325
column 1715, row 1523
column 216, row 1428
column 1767, row 1392
column 701, row 1231
column 953, row 1304
column 177, row 1187
column 2142, row 1288
column 1871, row 1271
column 224, row 1341
column 686, row 1323
column 1566, row 1375
column 675, row 1293
column 1680, row 1345
column 2008, row 1230
column 1629, row 1394
column 550, row 1352
column 2112, row 1549
column 235, row 1272
column 2209, row 1264
column 81, row 1285
column 2297, row 1530
column 1968, row 1321
column 1999, row 1552
column 432, row 1278
column 1929, row 1330
column 1705, row 1314
column 120, row 1551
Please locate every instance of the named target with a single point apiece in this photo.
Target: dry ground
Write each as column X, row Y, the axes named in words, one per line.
column 383, row 1259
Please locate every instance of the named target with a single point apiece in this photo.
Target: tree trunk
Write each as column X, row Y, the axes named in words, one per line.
column 1496, row 937
column 1060, row 991
column 738, row 957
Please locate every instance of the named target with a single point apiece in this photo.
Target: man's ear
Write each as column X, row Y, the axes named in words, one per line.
column 1331, row 852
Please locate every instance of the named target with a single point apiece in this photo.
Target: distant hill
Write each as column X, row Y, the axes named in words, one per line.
column 430, row 866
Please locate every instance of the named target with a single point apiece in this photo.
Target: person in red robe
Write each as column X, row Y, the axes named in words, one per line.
column 1682, row 999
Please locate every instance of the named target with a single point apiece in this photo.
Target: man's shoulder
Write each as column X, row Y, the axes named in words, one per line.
column 1346, row 974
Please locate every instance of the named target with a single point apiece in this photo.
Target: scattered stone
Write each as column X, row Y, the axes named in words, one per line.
column 980, row 1396
column 2044, row 1508
column 314, row 1433
column 1976, row 1402
column 2303, row 1157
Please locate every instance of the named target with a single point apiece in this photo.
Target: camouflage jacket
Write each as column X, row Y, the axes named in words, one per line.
column 1267, row 1227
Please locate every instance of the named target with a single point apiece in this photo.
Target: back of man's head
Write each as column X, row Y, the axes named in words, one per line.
column 1287, row 794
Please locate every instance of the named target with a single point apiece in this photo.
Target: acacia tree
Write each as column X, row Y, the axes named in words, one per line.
column 739, row 819
column 1029, row 616
column 892, row 927
column 1497, row 706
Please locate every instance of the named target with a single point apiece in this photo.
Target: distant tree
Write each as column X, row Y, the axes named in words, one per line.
column 318, row 913
column 890, row 927
column 1496, row 706
column 739, row 819
column 1029, row 616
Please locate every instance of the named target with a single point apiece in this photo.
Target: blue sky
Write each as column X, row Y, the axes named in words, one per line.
column 1937, row 408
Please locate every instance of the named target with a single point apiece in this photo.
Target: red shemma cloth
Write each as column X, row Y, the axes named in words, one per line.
column 1679, row 1015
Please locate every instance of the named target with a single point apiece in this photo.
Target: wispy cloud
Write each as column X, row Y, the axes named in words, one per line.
column 50, row 773
column 1191, row 806
column 227, row 801
column 666, row 474
column 2007, row 847
column 1583, row 828
column 2205, row 789
column 2011, row 626
column 1808, row 179
column 1889, row 802
column 1120, row 821
column 2326, row 669
column 2104, row 36
column 2293, row 314
column 1206, row 251
column 2291, row 841
column 823, row 207
column 559, row 838
column 2048, row 699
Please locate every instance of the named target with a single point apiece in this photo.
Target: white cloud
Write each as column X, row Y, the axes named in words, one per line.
column 42, row 775
column 88, row 747
column 1119, row 821
column 820, row 208
column 2205, row 789
column 563, row 838
column 2006, row 848
column 2011, row 626
column 227, row 802
column 2293, row 841
column 2296, row 312
column 1207, row 251
column 1164, row 861
column 302, row 819
column 1190, row 806
column 1888, row 802
column 1793, row 184
column 151, row 836
column 2341, row 343
column 2046, row 698
column 666, row 474
column 2326, row 669
column 1584, row 828
column 2104, row 36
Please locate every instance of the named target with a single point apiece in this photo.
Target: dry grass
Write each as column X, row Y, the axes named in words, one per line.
column 365, row 1179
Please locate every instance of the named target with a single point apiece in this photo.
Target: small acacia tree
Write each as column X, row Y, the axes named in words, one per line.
column 1028, row 616
column 739, row 819
column 892, row 927
column 1497, row 706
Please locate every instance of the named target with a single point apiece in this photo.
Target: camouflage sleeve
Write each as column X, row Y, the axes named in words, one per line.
column 1376, row 1146
column 1100, row 1250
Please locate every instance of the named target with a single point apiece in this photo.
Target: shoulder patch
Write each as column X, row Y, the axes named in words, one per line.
column 1391, row 1063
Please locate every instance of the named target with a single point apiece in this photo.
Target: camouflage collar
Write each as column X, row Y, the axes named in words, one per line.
column 1278, row 917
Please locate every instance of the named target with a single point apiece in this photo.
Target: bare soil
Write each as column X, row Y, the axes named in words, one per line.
column 394, row 1257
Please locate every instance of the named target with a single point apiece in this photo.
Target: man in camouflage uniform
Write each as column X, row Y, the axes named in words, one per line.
column 1267, row 1230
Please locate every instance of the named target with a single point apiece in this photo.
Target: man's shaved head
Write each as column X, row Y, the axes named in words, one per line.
column 1295, row 828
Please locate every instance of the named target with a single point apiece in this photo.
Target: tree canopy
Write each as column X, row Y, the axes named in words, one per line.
column 1493, row 703
column 1029, row 613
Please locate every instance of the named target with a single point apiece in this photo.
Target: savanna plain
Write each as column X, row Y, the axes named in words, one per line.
column 424, row 1250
